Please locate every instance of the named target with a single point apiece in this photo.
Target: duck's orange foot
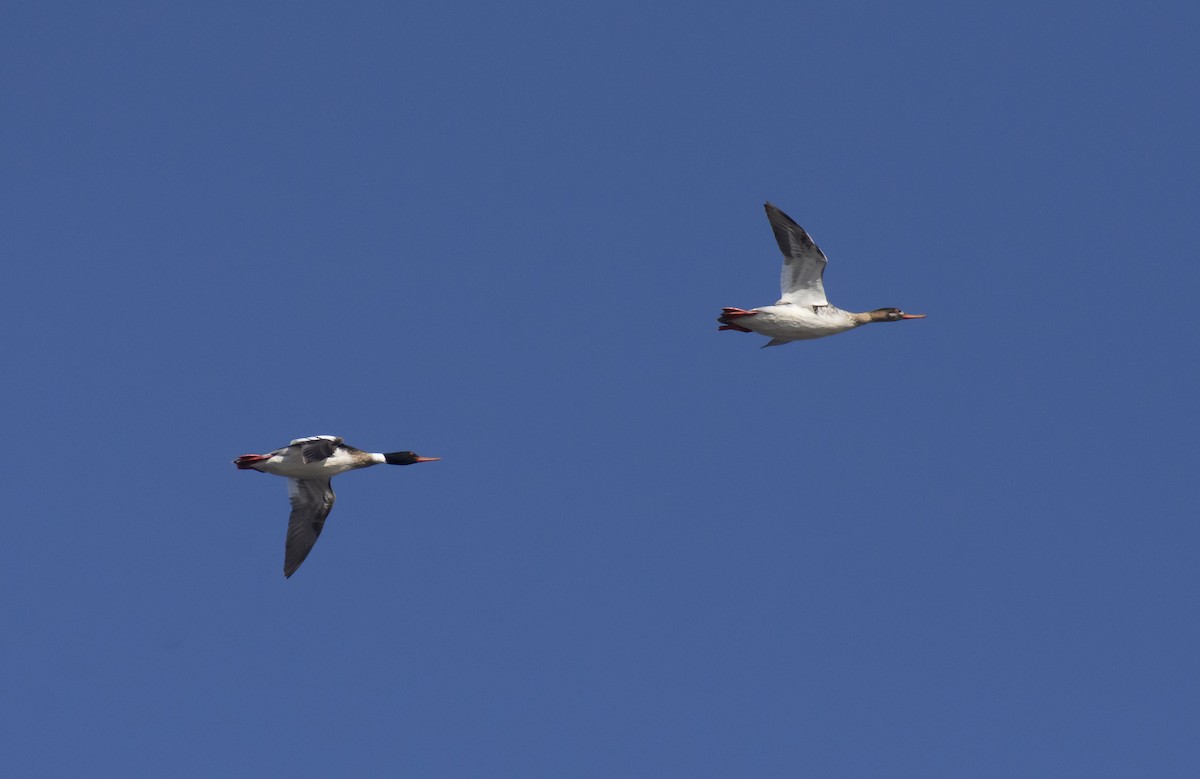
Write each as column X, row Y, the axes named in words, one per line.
column 736, row 312
column 729, row 314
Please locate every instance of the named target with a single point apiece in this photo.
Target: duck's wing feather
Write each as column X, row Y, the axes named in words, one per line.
column 803, row 262
column 318, row 447
column 311, row 501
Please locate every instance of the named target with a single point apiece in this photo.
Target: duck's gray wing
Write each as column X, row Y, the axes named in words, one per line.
column 311, row 501
column 800, row 282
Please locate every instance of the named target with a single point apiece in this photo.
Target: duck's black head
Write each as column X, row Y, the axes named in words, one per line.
column 892, row 315
column 406, row 458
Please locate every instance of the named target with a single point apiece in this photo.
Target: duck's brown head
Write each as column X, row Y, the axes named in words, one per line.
column 891, row 315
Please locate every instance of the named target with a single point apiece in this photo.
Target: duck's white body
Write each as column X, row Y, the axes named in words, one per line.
column 290, row 460
column 802, row 312
column 785, row 322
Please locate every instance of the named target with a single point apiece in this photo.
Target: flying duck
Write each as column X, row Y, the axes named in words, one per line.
column 309, row 464
column 803, row 313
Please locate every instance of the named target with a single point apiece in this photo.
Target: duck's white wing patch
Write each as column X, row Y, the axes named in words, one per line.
column 306, row 440
column 800, row 282
column 312, row 500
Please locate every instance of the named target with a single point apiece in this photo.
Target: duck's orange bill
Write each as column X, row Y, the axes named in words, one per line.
column 913, row 316
column 427, row 459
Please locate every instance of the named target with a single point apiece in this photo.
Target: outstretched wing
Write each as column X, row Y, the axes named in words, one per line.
column 311, row 501
column 803, row 262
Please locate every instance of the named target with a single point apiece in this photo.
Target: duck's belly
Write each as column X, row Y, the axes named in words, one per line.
column 797, row 323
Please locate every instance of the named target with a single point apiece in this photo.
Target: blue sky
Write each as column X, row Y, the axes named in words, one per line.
column 501, row 234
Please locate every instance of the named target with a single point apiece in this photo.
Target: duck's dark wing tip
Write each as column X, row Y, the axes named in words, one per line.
column 794, row 241
column 781, row 222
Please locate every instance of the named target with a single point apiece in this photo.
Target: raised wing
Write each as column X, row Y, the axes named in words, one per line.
column 311, row 501
column 317, row 448
column 803, row 262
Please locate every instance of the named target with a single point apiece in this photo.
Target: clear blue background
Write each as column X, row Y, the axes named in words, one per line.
column 500, row 233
